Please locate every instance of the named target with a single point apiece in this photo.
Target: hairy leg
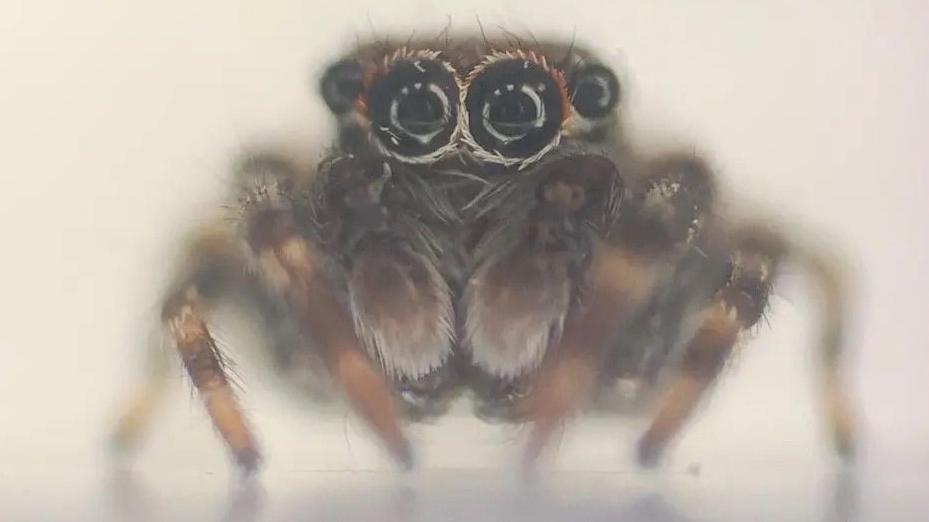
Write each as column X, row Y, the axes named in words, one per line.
column 330, row 324
column 627, row 260
column 212, row 262
column 704, row 356
column 215, row 259
column 737, row 305
column 620, row 282
column 185, row 315
column 662, row 219
column 263, row 248
column 289, row 266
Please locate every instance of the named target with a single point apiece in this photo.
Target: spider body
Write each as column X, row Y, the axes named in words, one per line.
column 481, row 227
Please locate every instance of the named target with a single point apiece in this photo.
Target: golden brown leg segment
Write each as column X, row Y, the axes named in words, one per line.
column 330, row 324
column 213, row 257
column 620, row 282
column 705, row 355
column 184, row 315
column 739, row 304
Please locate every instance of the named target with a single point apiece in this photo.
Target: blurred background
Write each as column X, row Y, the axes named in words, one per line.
column 118, row 124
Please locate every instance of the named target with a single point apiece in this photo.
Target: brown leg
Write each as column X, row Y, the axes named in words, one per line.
column 139, row 410
column 213, row 259
column 330, row 324
column 184, row 315
column 739, row 304
column 619, row 284
column 836, row 399
column 704, row 357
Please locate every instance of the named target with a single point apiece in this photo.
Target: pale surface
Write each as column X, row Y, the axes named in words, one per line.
column 117, row 123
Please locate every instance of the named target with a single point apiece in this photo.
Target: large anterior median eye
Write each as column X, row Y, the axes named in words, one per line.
column 413, row 109
column 515, row 108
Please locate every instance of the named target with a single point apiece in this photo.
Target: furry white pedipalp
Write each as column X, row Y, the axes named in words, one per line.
column 410, row 332
column 509, row 330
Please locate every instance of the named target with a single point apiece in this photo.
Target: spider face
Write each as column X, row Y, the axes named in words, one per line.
column 507, row 106
column 463, row 121
column 480, row 229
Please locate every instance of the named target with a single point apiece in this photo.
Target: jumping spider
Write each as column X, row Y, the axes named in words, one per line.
column 481, row 226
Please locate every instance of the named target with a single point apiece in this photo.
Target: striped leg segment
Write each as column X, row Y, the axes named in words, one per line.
column 204, row 364
column 212, row 262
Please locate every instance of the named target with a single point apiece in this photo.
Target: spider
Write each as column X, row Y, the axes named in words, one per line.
column 482, row 227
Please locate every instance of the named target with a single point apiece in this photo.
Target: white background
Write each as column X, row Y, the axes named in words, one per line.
column 118, row 122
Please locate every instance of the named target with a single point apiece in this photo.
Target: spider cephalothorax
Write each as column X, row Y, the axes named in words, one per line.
column 501, row 104
column 481, row 226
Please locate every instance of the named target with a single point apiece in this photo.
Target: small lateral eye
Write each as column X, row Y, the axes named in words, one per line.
column 594, row 91
column 515, row 109
column 413, row 109
column 341, row 84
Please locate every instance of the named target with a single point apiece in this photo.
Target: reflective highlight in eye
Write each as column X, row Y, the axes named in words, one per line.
column 511, row 115
column 420, row 113
column 413, row 108
column 513, row 107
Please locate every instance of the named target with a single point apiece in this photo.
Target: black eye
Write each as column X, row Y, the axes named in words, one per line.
column 594, row 91
column 340, row 85
column 514, row 110
column 414, row 109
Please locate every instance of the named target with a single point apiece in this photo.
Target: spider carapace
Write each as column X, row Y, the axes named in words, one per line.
column 481, row 228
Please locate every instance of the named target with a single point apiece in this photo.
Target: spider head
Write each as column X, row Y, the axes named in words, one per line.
column 500, row 103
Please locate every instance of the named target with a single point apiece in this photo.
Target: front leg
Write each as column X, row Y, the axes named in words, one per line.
column 291, row 266
column 214, row 260
column 329, row 323
column 185, row 316
column 620, row 284
column 552, row 290
column 635, row 247
column 738, row 305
